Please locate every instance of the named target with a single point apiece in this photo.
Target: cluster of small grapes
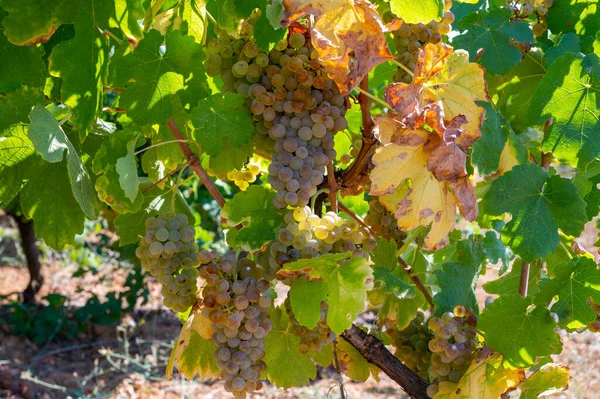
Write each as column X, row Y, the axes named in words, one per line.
column 535, row 10
column 411, row 345
column 594, row 326
column 345, row 159
column 314, row 339
column 241, row 178
column 453, row 348
column 296, row 108
column 411, row 38
column 235, row 303
column 168, row 251
column 308, row 236
column 383, row 223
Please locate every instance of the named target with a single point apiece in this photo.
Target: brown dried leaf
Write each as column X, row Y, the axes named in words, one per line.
column 348, row 34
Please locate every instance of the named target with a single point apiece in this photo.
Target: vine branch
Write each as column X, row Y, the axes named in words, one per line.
column 415, row 279
column 375, row 352
column 165, row 178
column 194, row 163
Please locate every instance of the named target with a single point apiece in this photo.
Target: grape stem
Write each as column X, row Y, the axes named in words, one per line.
column 175, row 189
column 418, row 283
column 159, row 144
column 400, row 65
column 333, row 188
column 372, row 97
column 194, row 163
column 337, row 367
column 354, row 216
column 165, row 178
column 524, row 283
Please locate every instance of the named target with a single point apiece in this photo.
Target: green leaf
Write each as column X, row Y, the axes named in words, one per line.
column 47, row 198
column 492, row 31
column 496, row 251
column 509, row 283
column 568, row 93
column 253, row 209
column 513, row 92
column 219, row 118
column 193, row 15
column 573, row 284
column 17, row 23
column 341, row 282
column 50, row 141
column 494, row 134
column 127, row 170
column 21, row 65
column 223, row 11
column 286, row 367
column 158, row 77
column 231, row 158
column 539, row 205
column 579, row 16
column 16, row 150
column 569, row 43
column 385, row 255
column 305, row 299
column 105, row 166
column 531, row 329
column 549, row 379
column 391, row 282
column 267, row 29
column 413, row 12
column 130, row 226
column 161, row 160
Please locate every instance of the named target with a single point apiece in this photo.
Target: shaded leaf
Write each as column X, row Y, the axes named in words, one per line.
column 549, row 379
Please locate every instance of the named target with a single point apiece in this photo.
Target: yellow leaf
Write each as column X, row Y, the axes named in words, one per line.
column 486, row 378
column 348, row 35
column 352, row 363
column 458, row 85
column 551, row 378
column 194, row 349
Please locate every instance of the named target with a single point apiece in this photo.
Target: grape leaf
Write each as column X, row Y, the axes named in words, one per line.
column 193, row 16
column 391, row 282
column 254, row 210
column 127, row 169
column 531, row 329
column 348, row 35
column 592, row 198
column 158, row 77
column 105, row 166
column 414, row 12
column 509, row 283
column 548, row 380
column 496, row 251
column 573, row 284
column 385, row 255
column 488, row 149
column 352, row 363
column 16, row 150
column 286, row 367
column 231, row 158
column 47, row 198
column 21, row 65
column 194, row 350
column 159, row 161
column 569, row 43
column 50, row 141
column 305, row 299
column 458, row 277
column 579, row 16
column 539, row 206
column 222, row 119
column 568, row 94
column 343, row 285
column 130, row 226
column 492, row 31
column 222, row 12
column 514, row 153
column 17, row 21
column 486, row 377
column 514, row 90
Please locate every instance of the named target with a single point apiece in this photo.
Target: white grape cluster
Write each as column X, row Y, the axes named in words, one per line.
column 314, row 339
column 411, row 345
column 242, row 178
column 535, row 10
column 383, row 223
column 168, row 251
column 308, row 236
column 235, row 302
column 296, row 108
column 411, row 38
column 453, row 348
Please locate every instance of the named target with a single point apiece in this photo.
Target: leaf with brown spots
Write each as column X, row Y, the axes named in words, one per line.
column 348, row 34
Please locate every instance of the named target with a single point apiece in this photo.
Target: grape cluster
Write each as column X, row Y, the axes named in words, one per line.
column 533, row 10
column 411, row 38
column 235, row 303
column 307, row 236
column 411, row 345
column 297, row 109
column 314, row 339
column 345, row 159
column 383, row 223
column 241, row 178
column 594, row 326
column 453, row 347
column 168, row 251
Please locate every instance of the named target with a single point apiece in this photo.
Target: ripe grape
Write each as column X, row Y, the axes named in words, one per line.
column 383, row 223
column 242, row 178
